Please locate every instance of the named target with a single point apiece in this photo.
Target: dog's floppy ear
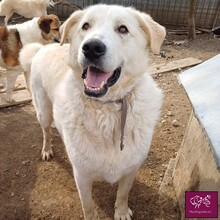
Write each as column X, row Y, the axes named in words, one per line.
column 66, row 26
column 155, row 33
column 44, row 24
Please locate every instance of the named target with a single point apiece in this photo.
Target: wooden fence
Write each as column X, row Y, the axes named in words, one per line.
column 166, row 12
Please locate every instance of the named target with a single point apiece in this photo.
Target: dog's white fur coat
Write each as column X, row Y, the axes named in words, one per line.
column 90, row 127
column 26, row 8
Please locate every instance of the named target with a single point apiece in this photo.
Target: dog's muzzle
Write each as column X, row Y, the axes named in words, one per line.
column 96, row 80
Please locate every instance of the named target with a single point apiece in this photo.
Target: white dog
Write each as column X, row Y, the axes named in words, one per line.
column 25, row 8
column 44, row 30
column 107, row 78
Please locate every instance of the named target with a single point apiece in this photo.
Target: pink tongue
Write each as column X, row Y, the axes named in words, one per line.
column 95, row 77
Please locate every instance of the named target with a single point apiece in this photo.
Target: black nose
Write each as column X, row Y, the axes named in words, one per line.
column 93, row 49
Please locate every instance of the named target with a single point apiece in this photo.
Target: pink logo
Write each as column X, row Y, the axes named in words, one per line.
column 201, row 204
column 198, row 200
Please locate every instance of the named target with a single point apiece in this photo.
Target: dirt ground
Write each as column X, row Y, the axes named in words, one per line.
column 33, row 189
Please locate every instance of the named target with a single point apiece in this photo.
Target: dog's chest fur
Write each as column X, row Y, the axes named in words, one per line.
column 102, row 117
column 92, row 136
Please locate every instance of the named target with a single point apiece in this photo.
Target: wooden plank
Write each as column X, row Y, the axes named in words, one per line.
column 195, row 166
column 19, row 84
column 174, row 65
column 19, row 97
column 181, row 32
column 204, row 30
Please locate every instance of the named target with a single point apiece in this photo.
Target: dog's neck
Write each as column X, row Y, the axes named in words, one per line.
column 29, row 31
column 124, row 108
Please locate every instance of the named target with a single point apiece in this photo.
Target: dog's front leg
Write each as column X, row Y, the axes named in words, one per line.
column 11, row 76
column 7, row 17
column 43, row 107
column 122, row 211
column 46, row 151
column 84, row 185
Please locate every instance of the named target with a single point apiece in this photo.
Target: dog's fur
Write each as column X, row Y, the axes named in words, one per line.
column 25, row 8
column 44, row 30
column 87, row 116
column 216, row 32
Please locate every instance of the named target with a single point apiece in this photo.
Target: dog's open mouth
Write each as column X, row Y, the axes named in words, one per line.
column 97, row 82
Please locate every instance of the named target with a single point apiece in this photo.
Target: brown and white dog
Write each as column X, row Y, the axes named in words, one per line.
column 26, row 8
column 43, row 30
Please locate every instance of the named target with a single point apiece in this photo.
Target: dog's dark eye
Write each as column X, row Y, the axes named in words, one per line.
column 122, row 29
column 86, row 26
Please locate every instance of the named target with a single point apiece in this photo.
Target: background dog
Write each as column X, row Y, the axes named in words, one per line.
column 216, row 32
column 44, row 29
column 91, row 87
column 25, row 8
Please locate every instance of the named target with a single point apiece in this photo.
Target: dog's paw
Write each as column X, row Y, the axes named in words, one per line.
column 47, row 155
column 121, row 215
